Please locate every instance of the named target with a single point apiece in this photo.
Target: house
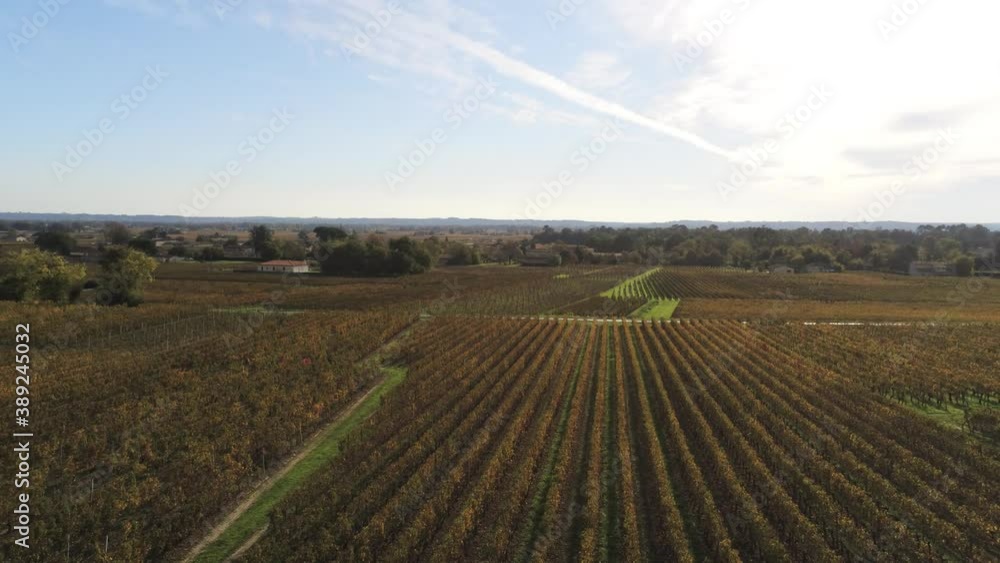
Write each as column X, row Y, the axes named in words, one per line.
column 292, row 266
column 21, row 238
column 782, row 269
column 932, row 269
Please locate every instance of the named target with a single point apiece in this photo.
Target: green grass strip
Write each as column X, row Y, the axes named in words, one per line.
column 256, row 517
column 538, row 501
column 656, row 309
column 630, row 286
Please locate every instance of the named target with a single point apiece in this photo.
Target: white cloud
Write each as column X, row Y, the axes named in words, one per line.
column 598, row 71
column 429, row 39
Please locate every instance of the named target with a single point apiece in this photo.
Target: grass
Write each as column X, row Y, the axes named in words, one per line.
column 656, row 309
column 624, row 289
column 256, row 517
column 950, row 415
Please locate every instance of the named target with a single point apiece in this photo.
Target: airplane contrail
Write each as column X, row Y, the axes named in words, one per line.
column 531, row 75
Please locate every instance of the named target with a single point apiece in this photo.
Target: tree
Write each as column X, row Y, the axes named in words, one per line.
column 58, row 242
column 179, row 251
column 116, row 233
column 964, row 266
column 144, row 245
column 347, row 259
column 407, row 256
column 124, row 272
column 374, row 257
column 511, row 251
column 271, row 250
column 330, row 234
column 293, row 250
column 901, row 258
column 211, row 253
column 37, row 275
column 462, row 255
column 260, row 237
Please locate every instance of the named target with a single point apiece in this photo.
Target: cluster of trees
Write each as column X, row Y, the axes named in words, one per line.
column 969, row 248
column 266, row 247
column 374, row 256
column 37, row 275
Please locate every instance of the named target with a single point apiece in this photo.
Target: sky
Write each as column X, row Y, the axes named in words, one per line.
column 616, row 110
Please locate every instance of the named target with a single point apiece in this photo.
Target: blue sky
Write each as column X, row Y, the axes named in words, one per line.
column 586, row 109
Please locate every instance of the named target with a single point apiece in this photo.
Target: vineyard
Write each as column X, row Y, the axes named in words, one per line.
column 150, row 431
column 557, row 441
column 543, row 417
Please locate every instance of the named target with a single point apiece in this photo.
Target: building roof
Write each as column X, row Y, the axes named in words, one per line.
column 285, row 263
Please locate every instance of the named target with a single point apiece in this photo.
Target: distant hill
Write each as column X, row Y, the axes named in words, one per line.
column 460, row 222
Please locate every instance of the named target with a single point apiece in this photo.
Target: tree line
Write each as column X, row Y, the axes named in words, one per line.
column 37, row 275
column 968, row 248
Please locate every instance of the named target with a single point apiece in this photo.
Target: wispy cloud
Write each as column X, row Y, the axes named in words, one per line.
column 528, row 74
column 599, row 71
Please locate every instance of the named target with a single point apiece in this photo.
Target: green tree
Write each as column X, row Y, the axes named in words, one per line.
column 964, row 266
column 211, row 253
column 116, row 233
column 271, row 250
column 260, row 237
column 901, row 258
column 37, row 275
column 124, row 273
column 59, row 242
column 292, row 250
column 145, row 245
column 330, row 234
column 462, row 255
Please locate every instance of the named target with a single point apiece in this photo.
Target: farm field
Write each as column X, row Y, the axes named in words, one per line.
column 748, row 428
column 805, row 310
column 552, row 441
column 121, row 462
column 445, row 281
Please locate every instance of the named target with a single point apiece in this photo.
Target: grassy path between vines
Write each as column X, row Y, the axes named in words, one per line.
column 252, row 514
column 247, row 522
